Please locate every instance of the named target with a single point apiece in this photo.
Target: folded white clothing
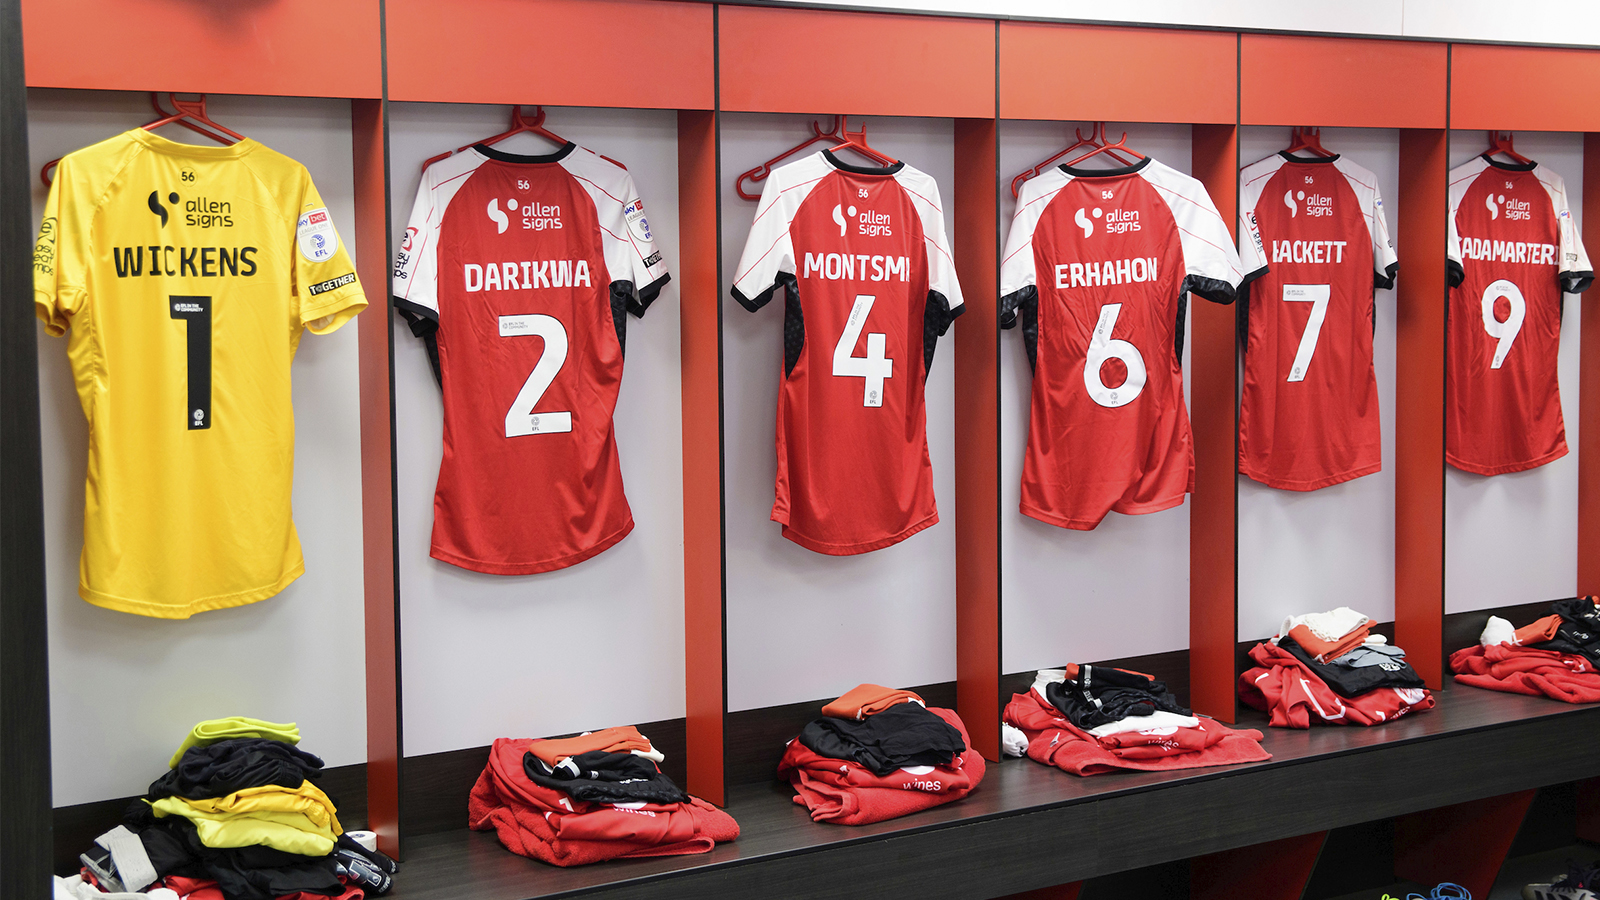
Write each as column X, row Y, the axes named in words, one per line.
column 1498, row 631
column 1048, row 676
column 1330, row 626
column 1012, row 741
column 75, row 888
column 1375, row 639
column 1156, row 720
column 134, row 868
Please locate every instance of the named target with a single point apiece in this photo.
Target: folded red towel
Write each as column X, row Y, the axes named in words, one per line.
column 1055, row 741
column 1523, row 670
column 1295, row 696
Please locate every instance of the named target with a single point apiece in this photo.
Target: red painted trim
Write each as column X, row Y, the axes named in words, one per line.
column 829, row 61
column 700, row 318
column 1284, row 80
column 1589, row 394
column 977, row 364
column 1275, row 870
column 1419, row 403
column 307, row 48
column 636, row 53
column 1213, row 511
column 1086, row 72
column 1524, row 88
column 380, row 598
column 1466, row 843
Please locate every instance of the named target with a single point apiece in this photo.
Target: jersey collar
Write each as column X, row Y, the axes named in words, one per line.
column 168, row 147
column 843, row 166
column 1077, row 172
column 502, row 156
column 1309, row 160
column 1509, row 166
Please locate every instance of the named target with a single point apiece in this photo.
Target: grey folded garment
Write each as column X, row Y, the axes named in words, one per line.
column 1370, row 655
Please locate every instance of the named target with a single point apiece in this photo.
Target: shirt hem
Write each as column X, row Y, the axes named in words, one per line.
column 159, row 611
column 1506, row 468
column 1318, row 484
column 860, row 547
column 533, row 568
column 1137, row 509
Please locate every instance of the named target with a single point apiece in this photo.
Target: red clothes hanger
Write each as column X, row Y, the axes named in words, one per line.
column 1500, row 142
column 520, row 124
column 839, row 135
column 1308, row 139
column 1096, row 138
column 191, row 114
column 1109, row 149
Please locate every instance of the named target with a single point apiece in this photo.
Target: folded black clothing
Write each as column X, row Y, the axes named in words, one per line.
column 1579, row 632
column 905, row 734
column 241, row 873
column 220, row 769
column 1099, row 695
column 602, row 777
column 1349, row 681
column 370, row 870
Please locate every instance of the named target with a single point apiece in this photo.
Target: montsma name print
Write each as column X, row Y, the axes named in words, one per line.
column 187, row 262
column 1106, row 273
column 526, row 275
column 856, row 267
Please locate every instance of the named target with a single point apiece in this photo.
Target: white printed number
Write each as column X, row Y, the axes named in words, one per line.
column 1505, row 332
column 874, row 367
column 1102, row 348
column 1317, row 295
column 520, row 418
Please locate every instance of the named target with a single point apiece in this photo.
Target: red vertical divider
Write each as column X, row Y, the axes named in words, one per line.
column 1275, row 870
column 1213, row 513
column 977, row 362
column 704, row 665
column 1419, row 402
column 1068, row 891
column 1465, row 843
column 1589, row 391
column 381, row 601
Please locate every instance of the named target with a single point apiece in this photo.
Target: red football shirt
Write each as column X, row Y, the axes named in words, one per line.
column 519, row 272
column 1513, row 251
column 869, row 287
column 1098, row 266
column 1309, row 414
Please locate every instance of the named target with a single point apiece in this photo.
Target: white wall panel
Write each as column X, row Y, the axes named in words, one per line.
column 125, row 689
column 596, row 644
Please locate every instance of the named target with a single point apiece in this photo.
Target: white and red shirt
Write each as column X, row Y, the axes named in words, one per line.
column 1513, row 250
column 1309, row 413
column 519, row 271
column 869, row 286
column 1098, row 266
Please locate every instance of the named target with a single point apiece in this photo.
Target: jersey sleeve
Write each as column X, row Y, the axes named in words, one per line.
column 944, row 290
column 1253, row 180
column 1576, row 272
column 1019, row 276
column 630, row 248
column 416, row 264
column 1211, row 264
column 325, row 283
column 768, row 258
column 1384, row 262
column 60, row 256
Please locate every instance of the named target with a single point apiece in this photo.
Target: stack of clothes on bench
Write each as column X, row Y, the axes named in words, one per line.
column 878, row 753
column 236, row 818
column 594, row 797
column 1089, row 720
column 1554, row 657
column 1329, row 667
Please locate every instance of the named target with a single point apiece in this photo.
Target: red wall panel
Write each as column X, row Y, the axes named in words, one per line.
column 1341, row 82
column 1524, row 88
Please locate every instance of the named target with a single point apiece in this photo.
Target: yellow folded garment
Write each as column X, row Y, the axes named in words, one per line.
column 295, row 820
column 214, row 730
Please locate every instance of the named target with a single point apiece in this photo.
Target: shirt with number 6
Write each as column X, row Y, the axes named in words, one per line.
column 869, row 286
column 1513, row 250
column 1097, row 269
column 1308, row 417
column 519, row 272
column 184, row 277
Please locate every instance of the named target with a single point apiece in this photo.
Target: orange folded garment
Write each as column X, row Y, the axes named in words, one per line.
column 1541, row 630
column 1328, row 651
column 866, row 699
column 621, row 739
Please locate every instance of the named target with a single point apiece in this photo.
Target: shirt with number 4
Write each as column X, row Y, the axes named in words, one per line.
column 869, row 286
column 1513, row 250
column 1308, row 417
column 519, row 272
column 1097, row 268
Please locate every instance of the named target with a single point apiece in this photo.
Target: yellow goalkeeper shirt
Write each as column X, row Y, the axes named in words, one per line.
column 185, row 276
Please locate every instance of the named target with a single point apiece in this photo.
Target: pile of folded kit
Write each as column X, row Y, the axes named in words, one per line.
column 879, row 753
column 1090, row 720
column 1329, row 667
column 1554, row 657
column 598, row 796
column 236, row 818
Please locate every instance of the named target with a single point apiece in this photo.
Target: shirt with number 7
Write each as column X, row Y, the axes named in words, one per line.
column 519, row 272
column 869, row 287
column 184, row 277
column 1097, row 269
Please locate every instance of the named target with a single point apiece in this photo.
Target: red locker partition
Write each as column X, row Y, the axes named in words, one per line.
column 1341, row 82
